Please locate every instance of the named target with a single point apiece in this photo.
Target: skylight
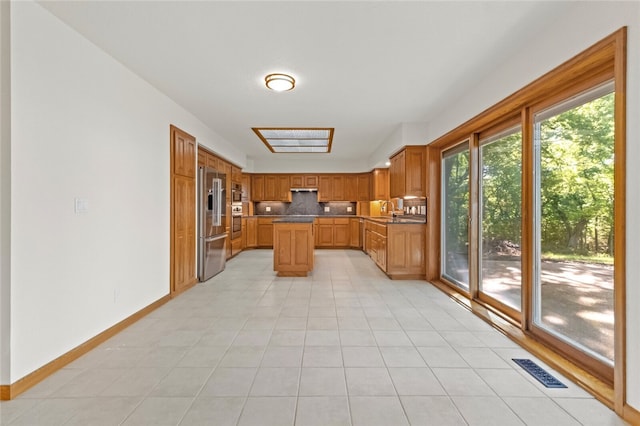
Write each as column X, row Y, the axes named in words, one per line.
column 296, row 140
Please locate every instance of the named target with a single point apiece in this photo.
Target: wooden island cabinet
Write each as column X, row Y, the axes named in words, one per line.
column 293, row 246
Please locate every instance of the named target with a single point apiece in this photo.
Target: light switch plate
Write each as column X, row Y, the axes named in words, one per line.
column 267, row 209
column 81, row 205
column 349, row 209
column 327, row 209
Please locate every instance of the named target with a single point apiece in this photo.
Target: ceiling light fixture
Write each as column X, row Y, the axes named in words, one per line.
column 280, row 82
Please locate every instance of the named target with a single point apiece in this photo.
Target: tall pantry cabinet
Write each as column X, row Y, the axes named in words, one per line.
column 183, row 210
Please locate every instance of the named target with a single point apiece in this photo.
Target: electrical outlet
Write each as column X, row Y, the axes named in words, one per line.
column 268, row 209
column 349, row 209
column 327, row 209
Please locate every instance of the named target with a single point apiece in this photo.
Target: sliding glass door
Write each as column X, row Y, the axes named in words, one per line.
column 500, row 206
column 573, row 300
column 455, row 215
column 530, row 224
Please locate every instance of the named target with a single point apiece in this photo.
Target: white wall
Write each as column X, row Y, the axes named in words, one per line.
column 390, row 145
column 584, row 24
column 404, row 134
column 84, row 126
column 5, row 194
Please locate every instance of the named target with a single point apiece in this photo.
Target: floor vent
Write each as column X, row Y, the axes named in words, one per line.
column 539, row 373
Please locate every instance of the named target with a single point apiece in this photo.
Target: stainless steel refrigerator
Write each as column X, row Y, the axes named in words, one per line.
column 211, row 222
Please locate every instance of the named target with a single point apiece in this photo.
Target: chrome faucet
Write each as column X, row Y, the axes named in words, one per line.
column 393, row 207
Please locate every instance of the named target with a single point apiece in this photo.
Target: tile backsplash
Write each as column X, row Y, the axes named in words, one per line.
column 305, row 203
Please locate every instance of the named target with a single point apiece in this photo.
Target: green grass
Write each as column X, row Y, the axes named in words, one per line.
column 562, row 257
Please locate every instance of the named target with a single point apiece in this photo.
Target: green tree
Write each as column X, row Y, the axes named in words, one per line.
column 501, row 178
column 576, row 168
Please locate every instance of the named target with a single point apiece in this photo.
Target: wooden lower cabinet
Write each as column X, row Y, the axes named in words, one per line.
column 355, row 239
column 398, row 249
column 236, row 246
column 333, row 232
column 250, row 232
column 376, row 243
column 293, row 245
column 324, row 237
column 243, row 238
column 341, row 232
column 265, row 232
column 406, row 251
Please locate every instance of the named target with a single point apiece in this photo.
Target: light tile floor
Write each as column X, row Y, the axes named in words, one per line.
column 345, row 346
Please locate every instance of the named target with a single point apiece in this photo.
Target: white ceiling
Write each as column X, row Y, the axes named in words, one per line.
column 361, row 67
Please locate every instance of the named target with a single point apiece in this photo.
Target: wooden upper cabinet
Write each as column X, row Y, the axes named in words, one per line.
column 364, row 187
column 381, row 184
column 337, row 188
column 202, row 157
column 350, row 188
column 324, row 189
column 246, row 187
column 407, row 173
column 215, row 162
column 271, row 189
column 396, row 175
column 184, row 153
column 297, row 181
column 284, row 188
column 304, row 181
column 415, row 171
column 257, row 188
column 310, row 181
column 236, row 174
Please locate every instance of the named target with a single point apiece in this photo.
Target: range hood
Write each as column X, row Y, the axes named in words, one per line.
column 304, row 189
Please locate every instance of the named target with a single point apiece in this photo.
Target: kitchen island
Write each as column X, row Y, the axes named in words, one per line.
column 293, row 246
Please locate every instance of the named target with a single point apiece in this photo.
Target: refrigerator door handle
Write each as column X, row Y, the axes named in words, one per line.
column 215, row 238
column 217, row 201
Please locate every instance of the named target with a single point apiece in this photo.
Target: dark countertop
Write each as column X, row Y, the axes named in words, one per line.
column 294, row 219
column 306, row 215
column 398, row 220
